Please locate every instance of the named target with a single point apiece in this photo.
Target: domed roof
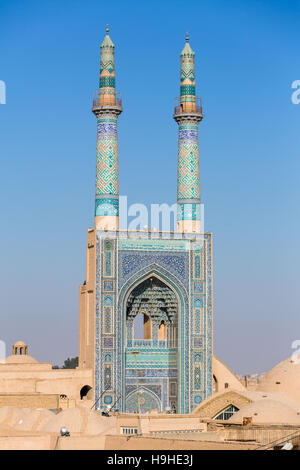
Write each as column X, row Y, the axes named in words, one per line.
column 284, row 377
column 20, row 359
column 267, row 411
column 80, row 419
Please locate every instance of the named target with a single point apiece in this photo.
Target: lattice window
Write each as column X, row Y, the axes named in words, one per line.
column 227, row 412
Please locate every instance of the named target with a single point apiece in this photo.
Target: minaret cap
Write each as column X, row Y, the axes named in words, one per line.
column 107, row 41
column 187, row 50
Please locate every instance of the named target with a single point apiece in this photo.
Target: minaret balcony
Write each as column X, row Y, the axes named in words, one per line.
column 188, row 108
column 106, row 101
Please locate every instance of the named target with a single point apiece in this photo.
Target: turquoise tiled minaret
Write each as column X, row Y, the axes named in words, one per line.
column 188, row 114
column 165, row 280
column 107, row 107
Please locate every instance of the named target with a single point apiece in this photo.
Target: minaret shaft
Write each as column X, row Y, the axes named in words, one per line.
column 107, row 107
column 188, row 114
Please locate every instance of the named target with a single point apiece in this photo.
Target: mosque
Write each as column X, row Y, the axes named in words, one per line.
column 146, row 311
column 163, row 278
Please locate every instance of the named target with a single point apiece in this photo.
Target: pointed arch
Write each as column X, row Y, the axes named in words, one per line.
column 162, row 274
column 162, row 330
column 134, row 400
column 181, row 294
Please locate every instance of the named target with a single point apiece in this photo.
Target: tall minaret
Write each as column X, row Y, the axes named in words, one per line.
column 107, row 107
column 188, row 114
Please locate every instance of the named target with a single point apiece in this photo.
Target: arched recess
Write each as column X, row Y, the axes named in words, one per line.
column 86, row 392
column 183, row 333
column 162, row 331
column 143, row 400
column 215, row 384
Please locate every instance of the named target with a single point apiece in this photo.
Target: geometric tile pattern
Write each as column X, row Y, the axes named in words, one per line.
column 187, row 76
column 148, row 375
column 107, row 180
column 107, row 206
column 107, row 166
column 143, row 400
column 188, row 180
column 107, row 67
column 188, row 184
column 163, row 373
column 188, row 211
column 132, row 261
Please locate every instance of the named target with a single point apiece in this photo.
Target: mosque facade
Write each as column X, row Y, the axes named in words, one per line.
column 145, row 316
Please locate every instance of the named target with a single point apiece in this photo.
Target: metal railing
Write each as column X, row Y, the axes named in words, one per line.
column 102, row 100
column 180, row 108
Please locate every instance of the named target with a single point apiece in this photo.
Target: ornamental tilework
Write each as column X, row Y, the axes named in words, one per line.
column 188, row 185
column 198, row 321
column 107, row 167
column 108, row 300
column 159, row 372
column 147, row 401
column 108, row 357
column 107, row 319
column 106, row 206
column 156, row 363
column 107, row 61
column 132, row 267
column 107, row 377
column 107, row 399
column 197, row 268
column 176, row 370
column 198, row 302
column 108, row 285
column 108, row 342
column 189, row 211
column 197, row 378
column 199, row 287
column 198, row 342
column 187, row 78
column 107, row 65
column 130, row 262
column 108, row 263
column 197, row 399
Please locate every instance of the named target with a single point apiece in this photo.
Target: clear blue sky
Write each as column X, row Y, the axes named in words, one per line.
column 247, row 56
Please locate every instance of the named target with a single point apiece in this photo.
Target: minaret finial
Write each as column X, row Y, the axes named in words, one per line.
column 107, row 29
column 187, row 37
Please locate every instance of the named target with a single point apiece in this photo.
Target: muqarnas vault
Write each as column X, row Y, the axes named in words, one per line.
column 145, row 321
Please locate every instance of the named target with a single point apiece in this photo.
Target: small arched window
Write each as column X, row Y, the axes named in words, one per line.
column 86, row 391
column 162, row 330
column 215, row 384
